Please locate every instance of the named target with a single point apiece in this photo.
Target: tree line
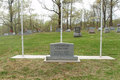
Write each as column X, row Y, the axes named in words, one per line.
column 10, row 11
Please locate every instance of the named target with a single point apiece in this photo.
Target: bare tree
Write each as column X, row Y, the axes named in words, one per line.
column 56, row 9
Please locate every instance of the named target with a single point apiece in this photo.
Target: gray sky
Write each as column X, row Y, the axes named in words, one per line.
column 38, row 9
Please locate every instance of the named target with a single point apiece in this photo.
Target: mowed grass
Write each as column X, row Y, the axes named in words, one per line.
column 39, row 44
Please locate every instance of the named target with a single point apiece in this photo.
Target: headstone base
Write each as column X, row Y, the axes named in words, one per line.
column 61, row 58
column 61, row 61
column 77, row 34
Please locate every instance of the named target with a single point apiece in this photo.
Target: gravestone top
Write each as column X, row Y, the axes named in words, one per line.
column 77, row 29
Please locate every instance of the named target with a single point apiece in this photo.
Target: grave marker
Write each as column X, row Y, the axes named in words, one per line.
column 62, row 51
column 68, row 30
column 50, row 28
column 34, row 31
column 92, row 31
column 77, row 32
column 28, row 32
column 106, row 30
column 112, row 28
column 6, row 34
column 118, row 30
column 58, row 29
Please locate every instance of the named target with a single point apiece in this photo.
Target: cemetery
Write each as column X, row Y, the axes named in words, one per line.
column 62, row 51
column 40, row 45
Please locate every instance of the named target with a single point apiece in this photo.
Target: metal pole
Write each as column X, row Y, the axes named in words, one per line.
column 61, row 20
column 101, row 33
column 22, row 27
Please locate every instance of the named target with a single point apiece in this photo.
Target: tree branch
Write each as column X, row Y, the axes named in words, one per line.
column 44, row 7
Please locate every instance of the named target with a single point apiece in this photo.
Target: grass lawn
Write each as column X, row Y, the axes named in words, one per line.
column 39, row 44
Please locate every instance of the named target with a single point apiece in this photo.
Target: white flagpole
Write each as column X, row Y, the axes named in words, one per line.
column 101, row 33
column 22, row 28
column 61, row 20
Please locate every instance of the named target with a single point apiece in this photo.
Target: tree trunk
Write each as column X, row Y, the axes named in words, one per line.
column 59, row 20
column 70, row 16
column 67, row 20
column 11, row 17
column 15, row 25
column 104, row 13
column 110, row 23
column 18, row 15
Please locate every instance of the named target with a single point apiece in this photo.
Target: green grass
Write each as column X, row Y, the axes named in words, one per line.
column 39, row 44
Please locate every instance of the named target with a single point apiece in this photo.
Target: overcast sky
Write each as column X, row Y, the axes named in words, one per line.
column 38, row 9
column 36, row 5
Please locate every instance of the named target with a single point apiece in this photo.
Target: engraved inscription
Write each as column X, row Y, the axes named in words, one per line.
column 63, row 53
column 61, row 49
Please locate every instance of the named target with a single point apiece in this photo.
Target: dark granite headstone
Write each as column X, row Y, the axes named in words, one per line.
column 62, row 51
column 118, row 30
column 77, row 32
column 92, row 31
column 106, row 30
